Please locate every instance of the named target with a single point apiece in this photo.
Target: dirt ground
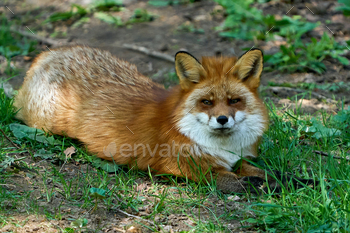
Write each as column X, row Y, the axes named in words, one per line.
column 163, row 35
column 99, row 219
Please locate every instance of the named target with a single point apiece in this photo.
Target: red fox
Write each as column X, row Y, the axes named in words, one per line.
column 208, row 122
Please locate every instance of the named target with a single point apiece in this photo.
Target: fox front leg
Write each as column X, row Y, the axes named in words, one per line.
column 229, row 182
column 247, row 179
column 250, row 179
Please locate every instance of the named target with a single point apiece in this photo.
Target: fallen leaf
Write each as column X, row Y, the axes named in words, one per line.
column 234, row 198
column 69, row 151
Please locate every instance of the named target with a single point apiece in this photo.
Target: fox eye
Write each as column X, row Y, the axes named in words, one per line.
column 234, row 101
column 207, row 102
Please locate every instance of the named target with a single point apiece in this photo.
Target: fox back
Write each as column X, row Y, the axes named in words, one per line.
column 214, row 116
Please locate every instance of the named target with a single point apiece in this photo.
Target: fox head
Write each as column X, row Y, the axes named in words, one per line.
column 221, row 107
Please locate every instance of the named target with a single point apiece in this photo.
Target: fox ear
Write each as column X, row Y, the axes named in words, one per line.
column 188, row 69
column 249, row 66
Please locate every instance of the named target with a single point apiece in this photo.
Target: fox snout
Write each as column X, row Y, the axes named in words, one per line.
column 222, row 119
column 221, row 122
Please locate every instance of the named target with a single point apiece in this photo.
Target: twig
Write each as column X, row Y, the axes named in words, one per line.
column 117, row 229
column 327, row 155
column 8, row 185
column 316, row 95
column 39, row 38
column 134, row 216
column 149, row 52
column 62, row 165
column 15, row 145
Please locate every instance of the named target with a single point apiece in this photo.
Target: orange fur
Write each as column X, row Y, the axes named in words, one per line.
column 122, row 115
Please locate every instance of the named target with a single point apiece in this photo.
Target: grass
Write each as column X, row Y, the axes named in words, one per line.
column 344, row 7
column 101, row 10
column 12, row 45
column 245, row 22
column 288, row 146
column 40, row 178
column 139, row 16
column 330, row 87
column 189, row 27
column 76, row 12
column 300, row 56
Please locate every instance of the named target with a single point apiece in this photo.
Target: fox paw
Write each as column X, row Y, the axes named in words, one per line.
column 248, row 184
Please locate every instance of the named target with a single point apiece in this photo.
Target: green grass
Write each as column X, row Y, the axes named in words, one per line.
column 344, row 7
column 140, row 15
column 100, row 10
column 79, row 13
column 76, row 12
column 12, row 45
column 290, row 143
column 331, row 87
column 246, row 22
column 288, row 146
column 107, row 5
column 300, row 56
column 189, row 27
column 38, row 178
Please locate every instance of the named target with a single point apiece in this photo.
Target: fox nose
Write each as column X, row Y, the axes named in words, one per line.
column 222, row 120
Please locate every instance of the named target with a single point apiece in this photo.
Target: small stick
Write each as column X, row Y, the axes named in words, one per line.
column 9, row 139
column 8, row 185
column 63, row 165
column 149, row 52
column 316, row 95
column 117, row 229
column 39, row 38
column 326, row 154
